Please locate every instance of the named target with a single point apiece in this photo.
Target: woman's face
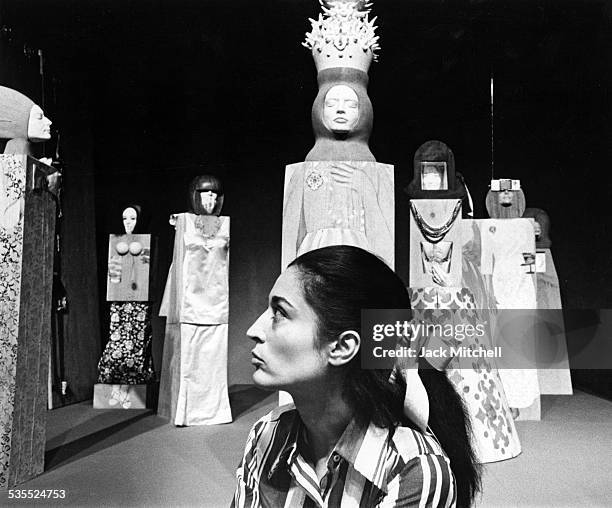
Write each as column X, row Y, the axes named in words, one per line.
column 39, row 126
column 506, row 197
column 432, row 180
column 129, row 219
column 286, row 354
column 341, row 109
column 208, row 200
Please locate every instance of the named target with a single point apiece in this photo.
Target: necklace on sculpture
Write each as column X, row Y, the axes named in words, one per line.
column 432, row 234
column 208, row 225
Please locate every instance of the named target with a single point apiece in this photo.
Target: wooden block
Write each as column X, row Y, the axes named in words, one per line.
column 120, row 396
column 28, row 224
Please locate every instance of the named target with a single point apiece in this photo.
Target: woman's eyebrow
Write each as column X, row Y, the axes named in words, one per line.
column 275, row 300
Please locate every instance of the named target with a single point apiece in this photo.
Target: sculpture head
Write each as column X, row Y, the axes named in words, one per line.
column 39, row 126
column 206, row 195
column 134, row 219
column 129, row 218
column 434, row 175
column 343, row 43
column 505, row 204
column 20, row 118
column 340, row 109
column 342, row 116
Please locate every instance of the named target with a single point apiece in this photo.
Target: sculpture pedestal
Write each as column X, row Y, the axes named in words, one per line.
column 120, row 396
column 27, row 225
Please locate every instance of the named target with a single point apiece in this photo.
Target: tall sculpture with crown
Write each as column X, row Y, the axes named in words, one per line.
column 340, row 195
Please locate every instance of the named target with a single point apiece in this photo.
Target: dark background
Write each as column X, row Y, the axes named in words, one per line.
column 148, row 94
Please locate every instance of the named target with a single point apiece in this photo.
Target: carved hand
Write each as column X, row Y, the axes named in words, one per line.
column 342, row 172
column 439, row 277
column 114, row 268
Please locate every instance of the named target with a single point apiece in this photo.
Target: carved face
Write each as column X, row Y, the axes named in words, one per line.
column 341, row 109
column 130, row 216
column 39, row 126
column 537, row 228
column 506, row 198
column 208, row 200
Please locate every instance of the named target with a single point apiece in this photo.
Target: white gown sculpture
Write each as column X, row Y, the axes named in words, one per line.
column 193, row 384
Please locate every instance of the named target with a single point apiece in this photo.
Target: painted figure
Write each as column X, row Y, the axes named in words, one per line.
column 507, row 247
column 554, row 376
column 439, row 295
column 193, row 385
column 127, row 359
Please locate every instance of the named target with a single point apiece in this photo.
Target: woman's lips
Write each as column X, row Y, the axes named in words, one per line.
column 256, row 360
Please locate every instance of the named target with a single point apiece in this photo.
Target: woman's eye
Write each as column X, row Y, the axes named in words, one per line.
column 278, row 314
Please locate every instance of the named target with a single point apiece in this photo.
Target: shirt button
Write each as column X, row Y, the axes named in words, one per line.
column 336, row 458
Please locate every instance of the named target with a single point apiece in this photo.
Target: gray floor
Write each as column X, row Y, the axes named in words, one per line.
column 134, row 458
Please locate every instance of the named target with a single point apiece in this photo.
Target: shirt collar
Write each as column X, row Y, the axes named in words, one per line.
column 362, row 446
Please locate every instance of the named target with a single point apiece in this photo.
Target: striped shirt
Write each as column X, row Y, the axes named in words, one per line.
column 369, row 467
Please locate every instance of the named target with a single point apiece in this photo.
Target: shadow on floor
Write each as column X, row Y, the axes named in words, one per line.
column 99, row 439
column 101, row 432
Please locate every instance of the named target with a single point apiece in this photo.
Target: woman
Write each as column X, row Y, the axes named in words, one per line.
column 347, row 440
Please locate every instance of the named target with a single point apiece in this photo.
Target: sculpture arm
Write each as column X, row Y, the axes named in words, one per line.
column 379, row 210
column 294, row 228
column 486, row 251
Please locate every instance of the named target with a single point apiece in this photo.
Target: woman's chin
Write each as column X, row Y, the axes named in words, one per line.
column 262, row 381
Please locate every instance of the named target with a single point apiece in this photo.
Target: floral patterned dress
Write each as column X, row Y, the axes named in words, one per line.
column 127, row 356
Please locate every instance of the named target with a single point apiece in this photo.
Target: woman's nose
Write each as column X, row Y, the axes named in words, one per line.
column 257, row 330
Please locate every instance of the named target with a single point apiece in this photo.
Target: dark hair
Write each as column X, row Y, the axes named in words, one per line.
column 339, row 281
column 205, row 183
column 541, row 217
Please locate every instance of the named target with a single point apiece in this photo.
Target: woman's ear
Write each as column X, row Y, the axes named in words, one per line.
column 342, row 350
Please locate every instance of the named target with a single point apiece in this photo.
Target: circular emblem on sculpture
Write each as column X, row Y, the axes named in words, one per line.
column 492, row 229
column 314, row 180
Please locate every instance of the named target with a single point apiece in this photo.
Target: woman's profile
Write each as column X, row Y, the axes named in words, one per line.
column 352, row 438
